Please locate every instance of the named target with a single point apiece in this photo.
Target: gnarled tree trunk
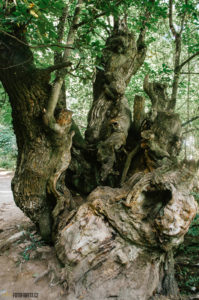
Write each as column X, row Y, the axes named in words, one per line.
column 109, row 119
column 119, row 244
column 43, row 148
column 115, row 240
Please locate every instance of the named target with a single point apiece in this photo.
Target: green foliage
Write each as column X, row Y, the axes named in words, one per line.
column 188, row 281
column 8, row 149
column 196, row 196
column 187, row 272
column 5, row 109
column 194, row 228
column 7, row 141
column 35, row 243
column 187, row 268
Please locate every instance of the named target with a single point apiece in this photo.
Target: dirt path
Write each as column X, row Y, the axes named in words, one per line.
column 28, row 267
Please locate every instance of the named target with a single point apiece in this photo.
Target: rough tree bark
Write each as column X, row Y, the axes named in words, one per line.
column 119, row 244
column 116, row 242
column 43, row 147
column 42, row 125
column 109, row 119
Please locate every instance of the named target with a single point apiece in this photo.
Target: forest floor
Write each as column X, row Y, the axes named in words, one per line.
column 27, row 265
column 30, row 267
column 187, row 262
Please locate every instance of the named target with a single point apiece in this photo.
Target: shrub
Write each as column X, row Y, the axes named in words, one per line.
column 8, row 148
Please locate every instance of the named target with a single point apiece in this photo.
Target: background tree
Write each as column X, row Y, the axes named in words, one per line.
column 116, row 202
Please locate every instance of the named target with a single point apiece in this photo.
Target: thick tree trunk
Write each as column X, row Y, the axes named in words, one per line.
column 117, row 241
column 109, row 119
column 119, row 244
column 43, row 151
column 118, row 248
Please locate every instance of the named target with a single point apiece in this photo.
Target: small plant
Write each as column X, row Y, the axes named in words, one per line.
column 35, row 243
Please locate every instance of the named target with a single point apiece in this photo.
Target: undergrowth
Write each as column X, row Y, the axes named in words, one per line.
column 35, row 243
column 8, row 148
column 187, row 258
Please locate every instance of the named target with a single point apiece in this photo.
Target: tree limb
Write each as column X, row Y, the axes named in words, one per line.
column 58, row 55
column 190, row 130
column 128, row 163
column 177, row 55
column 72, row 30
column 190, row 121
column 183, row 19
column 178, row 42
column 149, row 90
column 80, row 77
column 177, row 73
column 191, row 73
column 94, row 18
column 60, row 33
column 36, row 46
column 62, row 23
column 17, row 65
column 188, row 59
column 143, row 28
column 52, row 103
column 58, row 66
column 171, row 18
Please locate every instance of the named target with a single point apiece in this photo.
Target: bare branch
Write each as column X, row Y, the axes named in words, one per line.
column 94, row 18
column 58, row 66
column 14, row 37
column 58, row 55
column 73, row 29
column 80, row 77
column 17, row 65
column 191, row 73
column 190, row 121
column 36, row 46
column 60, row 33
column 188, row 59
column 183, row 19
column 177, row 54
column 128, row 163
column 191, row 130
column 148, row 88
column 146, row 84
column 143, row 28
column 62, row 23
column 171, row 18
column 50, row 46
column 52, row 102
